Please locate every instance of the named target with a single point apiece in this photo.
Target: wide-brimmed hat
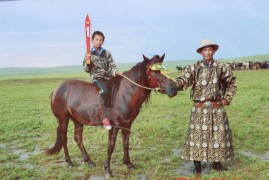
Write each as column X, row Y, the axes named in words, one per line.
column 206, row 43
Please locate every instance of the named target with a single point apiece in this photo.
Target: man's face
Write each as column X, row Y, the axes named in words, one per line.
column 207, row 53
column 98, row 41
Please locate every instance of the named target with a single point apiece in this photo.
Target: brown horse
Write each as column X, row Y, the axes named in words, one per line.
column 80, row 101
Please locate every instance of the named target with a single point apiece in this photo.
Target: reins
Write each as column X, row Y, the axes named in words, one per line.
column 152, row 89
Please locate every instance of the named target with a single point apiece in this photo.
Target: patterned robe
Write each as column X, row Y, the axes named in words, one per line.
column 209, row 136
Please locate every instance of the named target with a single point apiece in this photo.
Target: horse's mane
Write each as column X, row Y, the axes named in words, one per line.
column 136, row 73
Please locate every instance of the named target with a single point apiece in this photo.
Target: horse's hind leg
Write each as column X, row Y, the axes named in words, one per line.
column 63, row 124
column 78, row 138
column 126, row 144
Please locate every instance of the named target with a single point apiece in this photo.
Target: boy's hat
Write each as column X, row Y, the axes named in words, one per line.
column 205, row 43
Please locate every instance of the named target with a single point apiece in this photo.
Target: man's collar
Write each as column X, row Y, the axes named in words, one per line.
column 208, row 64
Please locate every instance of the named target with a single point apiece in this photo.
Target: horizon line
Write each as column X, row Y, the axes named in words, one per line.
column 221, row 59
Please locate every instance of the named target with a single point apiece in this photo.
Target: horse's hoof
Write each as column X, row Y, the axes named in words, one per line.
column 91, row 164
column 108, row 175
column 70, row 165
column 131, row 167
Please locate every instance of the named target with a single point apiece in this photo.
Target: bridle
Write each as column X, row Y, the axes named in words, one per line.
column 158, row 83
column 154, row 67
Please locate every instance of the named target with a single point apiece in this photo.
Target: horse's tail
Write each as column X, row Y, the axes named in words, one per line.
column 58, row 144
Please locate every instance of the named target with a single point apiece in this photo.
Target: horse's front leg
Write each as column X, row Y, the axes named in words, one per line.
column 126, row 144
column 111, row 145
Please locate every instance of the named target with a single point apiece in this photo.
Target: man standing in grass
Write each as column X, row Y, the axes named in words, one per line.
column 209, row 136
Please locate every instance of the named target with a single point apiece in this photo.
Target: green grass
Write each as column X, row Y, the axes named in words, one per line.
column 27, row 127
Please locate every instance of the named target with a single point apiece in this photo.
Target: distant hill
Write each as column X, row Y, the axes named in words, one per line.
column 78, row 72
column 38, row 72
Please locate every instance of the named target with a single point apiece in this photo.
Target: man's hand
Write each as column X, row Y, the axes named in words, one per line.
column 224, row 102
column 179, row 85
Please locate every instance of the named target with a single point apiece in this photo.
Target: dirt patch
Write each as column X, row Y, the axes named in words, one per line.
column 248, row 154
column 36, row 151
column 2, row 146
column 28, row 166
column 166, row 160
column 263, row 157
column 176, row 152
column 23, row 156
column 97, row 178
column 187, row 168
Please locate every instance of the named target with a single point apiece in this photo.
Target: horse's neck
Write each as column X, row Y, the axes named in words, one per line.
column 132, row 98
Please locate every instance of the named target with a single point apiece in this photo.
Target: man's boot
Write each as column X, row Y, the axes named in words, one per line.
column 218, row 166
column 197, row 167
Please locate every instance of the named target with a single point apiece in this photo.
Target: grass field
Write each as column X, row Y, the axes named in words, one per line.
column 27, row 127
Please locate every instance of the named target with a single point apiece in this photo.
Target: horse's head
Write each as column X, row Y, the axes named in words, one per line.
column 159, row 76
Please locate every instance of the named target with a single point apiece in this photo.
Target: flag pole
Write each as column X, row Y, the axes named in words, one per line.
column 88, row 37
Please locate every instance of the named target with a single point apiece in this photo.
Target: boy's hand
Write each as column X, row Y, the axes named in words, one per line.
column 87, row 56
column 118, row 73
column 87, row 59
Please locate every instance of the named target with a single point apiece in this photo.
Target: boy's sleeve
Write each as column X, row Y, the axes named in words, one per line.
column 112, row 66
column 87, row 68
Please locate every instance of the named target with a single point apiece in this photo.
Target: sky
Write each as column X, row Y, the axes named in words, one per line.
column 45, row 33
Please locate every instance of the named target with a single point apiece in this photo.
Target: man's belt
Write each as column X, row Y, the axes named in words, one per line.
column 215, row 104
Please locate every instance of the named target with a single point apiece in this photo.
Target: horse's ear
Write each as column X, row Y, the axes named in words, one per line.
column 162, row 58
column 146, row 60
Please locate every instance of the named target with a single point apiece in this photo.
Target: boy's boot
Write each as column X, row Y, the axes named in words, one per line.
column 105, row 121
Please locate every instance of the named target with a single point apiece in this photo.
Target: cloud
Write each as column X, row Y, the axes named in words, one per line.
column 52, row 32
column 8, row 0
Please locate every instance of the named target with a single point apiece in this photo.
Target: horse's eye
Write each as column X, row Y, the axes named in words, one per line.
column 157, row 71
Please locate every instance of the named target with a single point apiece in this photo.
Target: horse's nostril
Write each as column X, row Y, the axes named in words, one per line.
column 172, row 89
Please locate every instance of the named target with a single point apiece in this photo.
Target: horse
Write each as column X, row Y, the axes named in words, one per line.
column 80, row 101
column 179, row 68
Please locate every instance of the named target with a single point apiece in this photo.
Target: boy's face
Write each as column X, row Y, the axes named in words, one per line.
column 98, row 41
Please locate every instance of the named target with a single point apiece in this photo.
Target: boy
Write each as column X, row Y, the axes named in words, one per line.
column 101, row 67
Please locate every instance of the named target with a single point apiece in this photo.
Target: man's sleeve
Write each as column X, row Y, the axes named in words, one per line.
column 186, row 78
column 229, row 82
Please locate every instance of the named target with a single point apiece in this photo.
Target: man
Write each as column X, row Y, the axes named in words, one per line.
column 209, row 136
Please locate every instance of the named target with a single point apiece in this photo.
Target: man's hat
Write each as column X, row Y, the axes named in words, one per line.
column 206, row 43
